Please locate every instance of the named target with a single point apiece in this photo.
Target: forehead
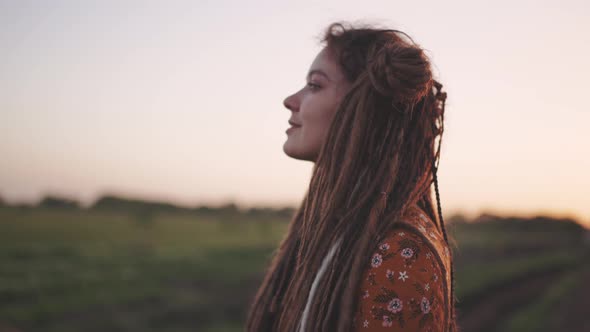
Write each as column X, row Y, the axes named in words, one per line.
column 326, row 61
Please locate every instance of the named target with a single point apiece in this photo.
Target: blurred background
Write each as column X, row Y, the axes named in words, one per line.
column 143, row 186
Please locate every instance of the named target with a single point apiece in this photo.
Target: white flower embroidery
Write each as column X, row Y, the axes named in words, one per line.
column 395, row 305
column 384, row 246
column 421, row 228
column 376, row 260
column 428, row 255
column 389, row 274
column 435, row 277
column 427, row 286
column 425, row 305
column 387, row 321
column 407, row 252
column 403, row 276
column 401, row 233
column 366, row 323
column 366, row 294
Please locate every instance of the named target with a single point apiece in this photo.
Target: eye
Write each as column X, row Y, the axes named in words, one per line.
column 313, row 86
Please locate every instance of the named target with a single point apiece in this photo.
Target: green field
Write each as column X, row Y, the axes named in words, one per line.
column 74, row 271
column 82, row 270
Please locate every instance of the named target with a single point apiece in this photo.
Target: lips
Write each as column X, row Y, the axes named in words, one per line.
column 290, row 129
column 294, row 124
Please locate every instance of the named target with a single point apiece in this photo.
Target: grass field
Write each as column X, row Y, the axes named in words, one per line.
column 73, row 271
column 79, row 270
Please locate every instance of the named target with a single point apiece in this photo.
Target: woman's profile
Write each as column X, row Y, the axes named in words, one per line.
column 366, row 250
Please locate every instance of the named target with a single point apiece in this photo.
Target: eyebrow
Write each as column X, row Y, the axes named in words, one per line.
column 319, row 72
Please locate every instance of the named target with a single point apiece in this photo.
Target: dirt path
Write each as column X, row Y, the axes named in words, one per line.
column 483, row 316
column 572, row 313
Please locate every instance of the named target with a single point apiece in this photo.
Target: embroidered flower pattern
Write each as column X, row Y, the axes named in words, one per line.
column 407, row 252
column 376, row 261
column 403, row 276
column 389, row 274
column 387, row 322
column 425, row 305
column 401, row 290
column 395, row 305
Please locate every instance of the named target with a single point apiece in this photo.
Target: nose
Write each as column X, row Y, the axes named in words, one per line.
column 290, row 103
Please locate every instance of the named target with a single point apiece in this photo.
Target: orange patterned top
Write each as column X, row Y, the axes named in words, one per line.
column 405, row 286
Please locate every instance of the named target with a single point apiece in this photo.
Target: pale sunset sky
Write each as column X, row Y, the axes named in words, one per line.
column 182, row 101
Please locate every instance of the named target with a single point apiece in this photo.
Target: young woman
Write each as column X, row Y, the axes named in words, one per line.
column 366, row 250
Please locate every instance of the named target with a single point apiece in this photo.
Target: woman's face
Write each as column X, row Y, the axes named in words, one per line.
column 313, row 107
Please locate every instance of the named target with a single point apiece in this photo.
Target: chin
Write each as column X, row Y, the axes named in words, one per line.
column 295, row 153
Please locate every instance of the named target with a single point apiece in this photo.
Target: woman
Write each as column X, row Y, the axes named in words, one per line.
column 365, row 251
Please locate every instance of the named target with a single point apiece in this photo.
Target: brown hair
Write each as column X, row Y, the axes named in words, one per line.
column 381, row 139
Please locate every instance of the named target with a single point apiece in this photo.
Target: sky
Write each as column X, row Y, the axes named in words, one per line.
column 182, row 101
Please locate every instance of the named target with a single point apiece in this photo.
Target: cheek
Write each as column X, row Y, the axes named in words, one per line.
column 313, row 133
column 314, row 128
column 318, row 114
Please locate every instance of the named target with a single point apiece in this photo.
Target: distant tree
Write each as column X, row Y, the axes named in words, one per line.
column 255, row 212
column 457, row 218
column 268, row 213
column 204, row 209
column 24, row 206
column 229, row 208
column 487, row 217
column 114, row 203
column 286, row 212
column 555, row 224
column 54, row 202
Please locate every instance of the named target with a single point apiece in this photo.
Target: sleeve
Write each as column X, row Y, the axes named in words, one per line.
column 402, row 287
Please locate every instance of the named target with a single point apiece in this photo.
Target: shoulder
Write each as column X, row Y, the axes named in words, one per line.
column 418, row 223
column 404, row 284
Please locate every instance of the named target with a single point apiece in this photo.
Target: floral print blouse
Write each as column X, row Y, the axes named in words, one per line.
column 405, row 284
